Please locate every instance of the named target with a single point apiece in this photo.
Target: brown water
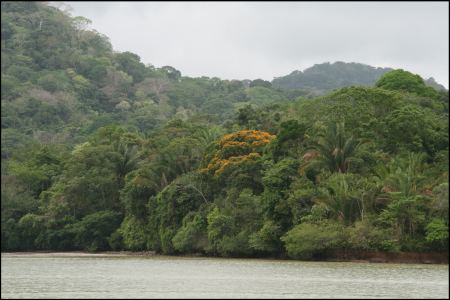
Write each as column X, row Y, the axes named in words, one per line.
column 118, row 276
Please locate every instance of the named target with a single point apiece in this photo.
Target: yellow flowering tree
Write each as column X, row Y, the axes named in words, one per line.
column 236, row 149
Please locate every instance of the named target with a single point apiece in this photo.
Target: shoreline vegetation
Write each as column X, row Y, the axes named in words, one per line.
column 337, row 256
column 103, row 152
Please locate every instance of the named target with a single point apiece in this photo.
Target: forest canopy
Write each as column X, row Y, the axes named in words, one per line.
column 103, row 152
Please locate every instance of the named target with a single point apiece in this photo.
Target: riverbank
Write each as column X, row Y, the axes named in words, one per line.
column 337, row 256
column 85, row 253
column 390, row 257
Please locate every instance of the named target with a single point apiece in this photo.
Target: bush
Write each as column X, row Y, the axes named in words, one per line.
column 364, row 236
column 192, row 236
column 219, row 225
column 30, row 226
column 92, row 231
column 267, row 239
column 306, row 241
column 437, row 234
column 115, row 241
column 133, row 234
column 235, row 245
column 10, row 235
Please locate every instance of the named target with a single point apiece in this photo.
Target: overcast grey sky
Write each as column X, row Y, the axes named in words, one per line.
column 239, row 40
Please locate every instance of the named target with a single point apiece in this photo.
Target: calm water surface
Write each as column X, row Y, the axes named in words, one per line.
column 118, row 276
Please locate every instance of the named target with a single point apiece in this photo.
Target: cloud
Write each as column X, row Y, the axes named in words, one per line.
column 238, row 40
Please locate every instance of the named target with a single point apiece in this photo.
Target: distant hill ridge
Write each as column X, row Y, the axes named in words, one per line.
column 322, row 78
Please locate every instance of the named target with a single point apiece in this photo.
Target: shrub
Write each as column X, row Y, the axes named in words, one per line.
column 306, row 240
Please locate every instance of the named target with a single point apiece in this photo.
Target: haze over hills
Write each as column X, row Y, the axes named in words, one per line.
column 432, row 82
column 324, row 77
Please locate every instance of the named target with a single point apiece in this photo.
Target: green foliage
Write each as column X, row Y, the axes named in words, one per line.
column 400, row 80
column 306, row 240
column 230, row 227
column 138, row 188
column 100, row 152
column 30, row 227
column 53, row 82
column 361, row 109
column 57, row 235
column 341, row 195
column 219, row 225
column 437, row 234
column 407, row 128
column 133, row 232
column 277, row 181
column 260, row 82
column 406, row 216
column 115, row 241
column 10, row 87
column 92, row 232
column 280, row 176
column 17, row 199
column 192, row 236
column 325, row 77
column 11, row 240
column 130, row 64
column 173, row 203
column 336, row 149
column 267, row 239
column 365, row 236
column 439, row 204
column 264, row 95
column 289, row 139
column 42, row 166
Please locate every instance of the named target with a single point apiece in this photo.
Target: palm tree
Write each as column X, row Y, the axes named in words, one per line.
column 206, row 136
column 342, row 200
column 403, row 175
column 127, row 159
column 404, row 184
column 336, row 150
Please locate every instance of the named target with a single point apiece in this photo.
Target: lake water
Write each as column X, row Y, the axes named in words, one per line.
column 118, row 276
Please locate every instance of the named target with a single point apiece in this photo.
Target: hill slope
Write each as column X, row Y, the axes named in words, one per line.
column 322, row 78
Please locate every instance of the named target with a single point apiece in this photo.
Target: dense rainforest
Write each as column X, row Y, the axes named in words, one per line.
column 102, row 152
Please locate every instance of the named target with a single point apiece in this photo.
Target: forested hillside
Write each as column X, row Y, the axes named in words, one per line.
column 102, row 152
column 323, row 78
